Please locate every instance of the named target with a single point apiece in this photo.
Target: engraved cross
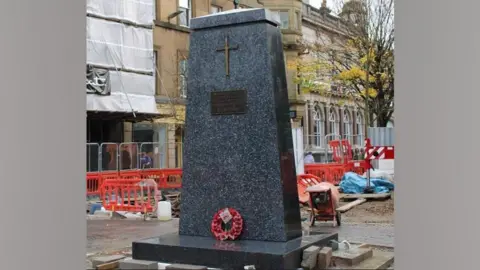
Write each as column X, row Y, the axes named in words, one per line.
column 226, row 48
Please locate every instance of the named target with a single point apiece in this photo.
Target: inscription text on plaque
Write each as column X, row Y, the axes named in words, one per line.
column 228, row 102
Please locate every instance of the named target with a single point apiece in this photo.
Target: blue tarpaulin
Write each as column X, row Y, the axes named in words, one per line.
column 353, row 183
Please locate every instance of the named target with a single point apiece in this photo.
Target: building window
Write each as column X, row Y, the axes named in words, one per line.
column 158, row 11
column 284, row 19
column 333, row 122
column 215, row 9
column 182, row 78
column 155, row 69
column 360, row 127
column 143, row 132
column 318, row 127
column 298, row 21
column 186, row 15
column 347, row 126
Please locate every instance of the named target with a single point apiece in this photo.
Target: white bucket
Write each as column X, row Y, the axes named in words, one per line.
column 164, row 210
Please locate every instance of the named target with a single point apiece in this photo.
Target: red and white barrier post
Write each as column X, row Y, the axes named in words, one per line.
column 376, row 153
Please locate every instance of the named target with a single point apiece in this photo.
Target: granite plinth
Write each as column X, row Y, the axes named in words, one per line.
column 235, row 17
column 233, row 255
column 244, row 161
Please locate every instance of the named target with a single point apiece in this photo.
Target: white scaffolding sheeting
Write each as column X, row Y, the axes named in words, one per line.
column 118, row 102
column 131, row 47
column 140, row 89
column 132, row 83
column 136, row 11
column 126, row 50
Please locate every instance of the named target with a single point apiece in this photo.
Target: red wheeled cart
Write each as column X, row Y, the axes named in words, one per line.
column 324, row 199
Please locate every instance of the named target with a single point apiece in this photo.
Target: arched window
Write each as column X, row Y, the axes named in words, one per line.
column 347, row 126
column 360, row 129
column 318, row 126
column 333, row 122
column 347, row 123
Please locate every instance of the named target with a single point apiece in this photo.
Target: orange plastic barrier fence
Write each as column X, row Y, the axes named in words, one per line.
column 337, row 150
column 336, row 173
column 303, row 182
column 172, row 178
column 319, row 170
column 333, row 172
column 322, row 171
column 94, row 182
column 132, row 174
column 108, row 175
column 125, row 194
column 165, row 178
column 358, row 166
column 155, row 174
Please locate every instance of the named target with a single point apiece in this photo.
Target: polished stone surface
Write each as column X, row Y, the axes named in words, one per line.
column 174, row 248
column 234, row 17
column 244, row 161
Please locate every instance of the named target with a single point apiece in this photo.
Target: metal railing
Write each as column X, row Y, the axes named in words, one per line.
column 132, row 156
column 356, row 141
column 381, row 136
column 93, row 155
column 316, row 141
column 319, row 142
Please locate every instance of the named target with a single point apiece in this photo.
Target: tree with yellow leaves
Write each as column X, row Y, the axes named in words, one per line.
column 362, row 64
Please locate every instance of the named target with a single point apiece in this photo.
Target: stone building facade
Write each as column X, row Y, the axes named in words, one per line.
column 328, row 117
column 300, row 22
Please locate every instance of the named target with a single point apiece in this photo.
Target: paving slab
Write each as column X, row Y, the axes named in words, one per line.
column 310, row 257
column 131, row 264
column 324, row 258
column 185, row 267
column 351, row 257
column 379, row 260
column 111, row 235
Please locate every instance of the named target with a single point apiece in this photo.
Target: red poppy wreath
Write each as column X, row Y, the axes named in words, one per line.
column 227, row 224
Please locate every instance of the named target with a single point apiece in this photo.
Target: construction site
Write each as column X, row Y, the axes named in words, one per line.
column 340, row 168
column 125, row 205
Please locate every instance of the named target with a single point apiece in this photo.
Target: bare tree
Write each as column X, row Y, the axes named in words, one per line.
column 179, row 90
column 362, row 60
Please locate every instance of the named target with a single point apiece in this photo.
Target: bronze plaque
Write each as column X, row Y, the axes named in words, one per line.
column 228, row 102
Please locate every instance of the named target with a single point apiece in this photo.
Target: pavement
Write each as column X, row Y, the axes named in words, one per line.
column 377, row 234
column 105, row 236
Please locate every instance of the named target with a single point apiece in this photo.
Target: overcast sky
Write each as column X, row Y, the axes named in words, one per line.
column 332, row 4
column 317, row 3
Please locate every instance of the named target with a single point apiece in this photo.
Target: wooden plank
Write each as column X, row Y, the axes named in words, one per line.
column 109, row 266
column 365, row 245
column 365, row 196
column 349, row 206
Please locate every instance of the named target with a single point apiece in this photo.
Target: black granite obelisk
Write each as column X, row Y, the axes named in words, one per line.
column 238, row 148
